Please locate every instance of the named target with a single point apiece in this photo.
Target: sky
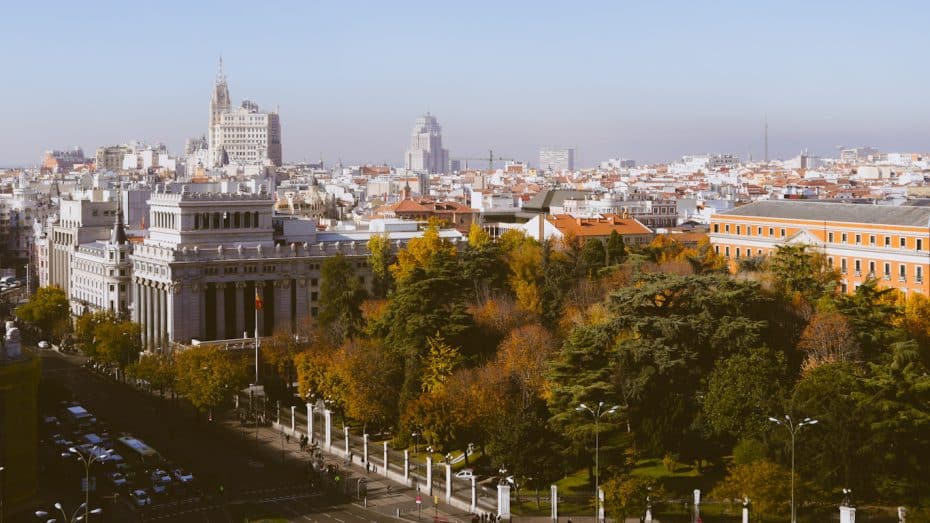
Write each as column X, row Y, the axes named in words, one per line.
column 646, row 80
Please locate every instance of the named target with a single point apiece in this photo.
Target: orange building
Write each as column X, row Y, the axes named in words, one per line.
column 861, row 241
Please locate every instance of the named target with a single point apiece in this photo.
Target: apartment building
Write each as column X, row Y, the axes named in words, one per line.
column 861, row 241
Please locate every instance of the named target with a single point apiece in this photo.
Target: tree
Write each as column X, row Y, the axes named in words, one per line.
column 118, row 342
column 207, row 376
column 47, row 312
column 626, row 496
column 341, row 297
column 616, row 249
column 593, row 257
column 524, row 263
column 874, row 315
column 380, row 259
column 370, row 376
column 765, row 483
column 157, row 369
column 828, row 338
column 439, row 363
column 428, row 253
column 482, row 264
column 743, row 390
column 798, row 272
column 317, row 377
column 434, row 416
column 85, row 327
column 524, row 354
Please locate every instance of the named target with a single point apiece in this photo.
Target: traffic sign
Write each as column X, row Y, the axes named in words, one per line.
column 419, row 500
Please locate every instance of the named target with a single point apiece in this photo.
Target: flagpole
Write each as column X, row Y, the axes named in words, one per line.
column 256, row 340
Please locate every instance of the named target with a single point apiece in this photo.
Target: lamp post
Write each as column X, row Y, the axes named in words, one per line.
column 597, row 414
column 87, row 460
column 42, row 514
column 416, row 442
column 1, row 492
column 793, row 429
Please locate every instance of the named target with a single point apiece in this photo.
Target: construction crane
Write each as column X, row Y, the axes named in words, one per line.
column 490, row 158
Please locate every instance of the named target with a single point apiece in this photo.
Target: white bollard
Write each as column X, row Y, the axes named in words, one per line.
column 697, row 496
column 345, row 432
column 600, row 505
column 365, row 450
column 902, row 512
column 293, row 418
column 745, row 514
column 847, row 514
column 474, row 495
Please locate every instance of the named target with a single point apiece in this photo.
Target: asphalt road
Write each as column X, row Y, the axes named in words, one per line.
column 256, row 485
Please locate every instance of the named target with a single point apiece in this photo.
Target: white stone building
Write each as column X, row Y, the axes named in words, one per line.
column 101, row 274
column 244, row 135
column 557, row 159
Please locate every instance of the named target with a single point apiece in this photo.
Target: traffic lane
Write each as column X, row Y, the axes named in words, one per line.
column 308, row 512
column 215, row 455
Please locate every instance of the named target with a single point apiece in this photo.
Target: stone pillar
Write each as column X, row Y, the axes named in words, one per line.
column 303, row 309
column 697, row 497
column 293, row 418
column 240, row 310
column 600, row 505
column 345, row 432
column 309, row 422
column 503, row 501
column 406, row 467
column 448, row 482
column 159, row 316
column 328, row 427
column 282, row 305
column 474, row 496
column 554, row 503
column 220, row 311
column 902, row 513
column 847, row 514
column 149, row 315
column 143, row 313
column 171, row 291
column 745, row 514
column 429, row 475
column 385, row 459
column 365, row 450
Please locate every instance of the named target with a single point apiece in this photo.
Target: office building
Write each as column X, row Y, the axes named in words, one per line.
column 557, row 159
column 244, row 135
column 426, row 154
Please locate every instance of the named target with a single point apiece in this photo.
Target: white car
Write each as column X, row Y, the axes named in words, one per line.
column 140, row 498
column 160, row 476
column 182, row 475
column 43, row 344
column 465, row 474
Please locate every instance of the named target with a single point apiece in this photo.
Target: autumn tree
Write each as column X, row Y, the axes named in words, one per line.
column 118, row 342
column 157, row 369
column 524, row 354
column 370, row 376
column 523, row 256
column 828, row 338
column 208, row 377
column 85, row 326
column 439, row 362
column 763, row 482
column 380, row 258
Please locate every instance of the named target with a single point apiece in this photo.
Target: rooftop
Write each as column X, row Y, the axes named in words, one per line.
column 904, row 215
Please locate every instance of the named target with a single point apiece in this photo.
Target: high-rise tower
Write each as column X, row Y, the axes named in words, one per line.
column 219, row 104
column 426, row 153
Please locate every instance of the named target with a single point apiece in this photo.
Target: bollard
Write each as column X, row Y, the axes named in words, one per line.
column 554, row 503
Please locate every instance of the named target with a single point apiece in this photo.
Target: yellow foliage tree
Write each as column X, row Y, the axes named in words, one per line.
column 524, row 262
column 429, row 250
column 439, row 362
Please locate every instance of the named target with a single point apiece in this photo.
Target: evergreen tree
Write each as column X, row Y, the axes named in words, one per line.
column 341, row 297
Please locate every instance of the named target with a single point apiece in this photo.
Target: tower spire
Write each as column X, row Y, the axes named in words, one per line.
column 220, row 76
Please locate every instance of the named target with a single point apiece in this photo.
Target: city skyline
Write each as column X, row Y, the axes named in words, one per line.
column 650, row 83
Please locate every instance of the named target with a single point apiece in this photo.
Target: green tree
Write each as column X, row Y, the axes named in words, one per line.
column 47, row 313
column 482, row 264
column 208, row 377
column 593, row 257
column 797, row 272
column 616, row 249
column 157, row 369
column 439, row 362
column 875, row 317
column 743, row 390
column 341, row 297
column 85, row 330
column 626, row 496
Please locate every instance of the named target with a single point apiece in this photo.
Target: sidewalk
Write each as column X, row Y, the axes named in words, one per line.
column 383, row 496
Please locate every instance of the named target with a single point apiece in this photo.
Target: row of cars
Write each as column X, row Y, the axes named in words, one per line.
column 120, row 464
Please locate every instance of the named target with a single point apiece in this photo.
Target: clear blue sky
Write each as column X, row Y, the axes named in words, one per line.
column 646, row 80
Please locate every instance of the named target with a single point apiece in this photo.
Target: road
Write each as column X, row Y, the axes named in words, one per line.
column 255, row 483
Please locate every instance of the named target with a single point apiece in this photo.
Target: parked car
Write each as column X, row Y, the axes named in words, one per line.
column 118, row 479
column 465, row 474
column 160, row 476
column 140, row 497
column 44, row 344
column 182, row 475
column 159, row 489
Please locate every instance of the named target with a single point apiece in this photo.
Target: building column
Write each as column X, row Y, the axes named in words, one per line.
column 282, row 305
column 240, row 309
column 141, row 311
column 149, row 315
column 303, row 307
column 220, row 311
column 328, row 425
column 171, row 293
column 159, row 305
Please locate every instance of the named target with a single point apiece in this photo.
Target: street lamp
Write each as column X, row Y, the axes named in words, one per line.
column 87, row 460
column 416, row 442
column 793, row 429
column 1, row 493
column 42, row 514
column 597, row 414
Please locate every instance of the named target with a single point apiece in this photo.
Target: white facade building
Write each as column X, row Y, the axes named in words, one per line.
column 244, row 135
column 426, row 153
column 557, row 159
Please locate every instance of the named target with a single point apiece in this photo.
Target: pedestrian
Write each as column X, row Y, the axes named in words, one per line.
column 287, row 437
